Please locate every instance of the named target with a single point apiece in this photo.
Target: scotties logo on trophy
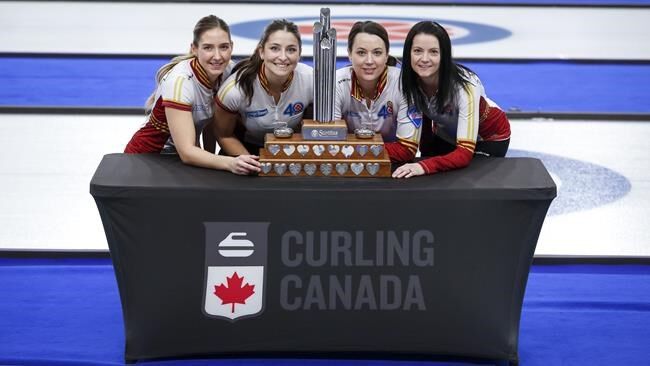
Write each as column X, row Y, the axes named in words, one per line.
column 235, row 269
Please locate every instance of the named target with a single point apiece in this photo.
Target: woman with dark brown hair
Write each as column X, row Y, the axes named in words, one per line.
column 268, row 88
column 368, row 94
column 460, row 119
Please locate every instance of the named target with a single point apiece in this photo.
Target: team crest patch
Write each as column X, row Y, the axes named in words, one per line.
column 415, row 116
column 235, row 269
column 294, row 108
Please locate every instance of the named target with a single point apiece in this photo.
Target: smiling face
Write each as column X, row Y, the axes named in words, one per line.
column 368, row 56
column 213, row 52
column 280, row 54
column 425, row 56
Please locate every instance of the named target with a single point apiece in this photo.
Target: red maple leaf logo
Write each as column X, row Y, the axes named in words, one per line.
column 235, row 293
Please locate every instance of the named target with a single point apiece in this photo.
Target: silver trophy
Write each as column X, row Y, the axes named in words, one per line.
column 324, row 68
column 323, row 126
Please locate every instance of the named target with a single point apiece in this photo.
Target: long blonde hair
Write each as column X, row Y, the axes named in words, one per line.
column 203, row 25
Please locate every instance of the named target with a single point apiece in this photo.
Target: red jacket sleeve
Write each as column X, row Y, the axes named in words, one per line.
column 400, row 153
column 459, row 158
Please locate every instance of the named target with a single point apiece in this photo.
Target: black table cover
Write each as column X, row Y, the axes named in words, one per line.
column 211, row 264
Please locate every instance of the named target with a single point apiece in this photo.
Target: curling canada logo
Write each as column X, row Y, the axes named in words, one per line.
column 235, row 261
column 460, row 32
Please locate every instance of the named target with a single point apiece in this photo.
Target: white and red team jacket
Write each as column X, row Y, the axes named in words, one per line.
column 185, row 87
column 471, row 117
column 259, row 117
column 388, row 113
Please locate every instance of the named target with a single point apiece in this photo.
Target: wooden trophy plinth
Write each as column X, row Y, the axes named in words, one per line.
column 352, row 157
column 322, row 131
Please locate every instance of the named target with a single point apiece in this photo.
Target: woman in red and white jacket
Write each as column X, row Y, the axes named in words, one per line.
column 368, row 92
column 182, row 106
column 460, row 120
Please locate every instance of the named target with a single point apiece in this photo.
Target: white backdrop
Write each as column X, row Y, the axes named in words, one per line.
column 165, row 28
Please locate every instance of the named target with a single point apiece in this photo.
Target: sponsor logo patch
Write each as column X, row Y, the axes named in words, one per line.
column 257, row 113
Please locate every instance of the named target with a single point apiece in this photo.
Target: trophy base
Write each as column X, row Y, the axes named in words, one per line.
column 319, row 131
column 353, row 157
column 282, row 167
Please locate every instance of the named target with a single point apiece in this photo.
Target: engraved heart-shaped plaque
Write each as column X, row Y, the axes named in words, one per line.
column 362, row 149
column 357, row 168
column 274, row 149
column 303, row 149
column 279, row 168
column 341, row 168
column 347, row 151
column 310, row 168
column 326, row 168
column 295, row 168
column 288, row 149
column 376, row 149
column 333, row 149
column 266, row 167
column 318, row 149
column 372, row 168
